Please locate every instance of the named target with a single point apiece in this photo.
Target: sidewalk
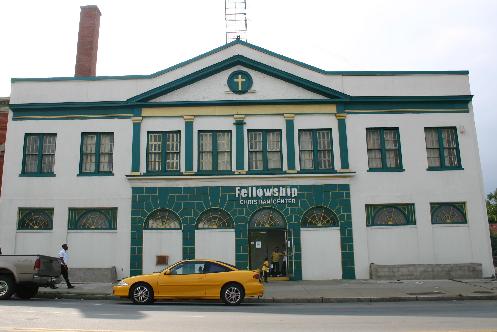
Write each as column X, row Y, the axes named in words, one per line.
column 329, row 291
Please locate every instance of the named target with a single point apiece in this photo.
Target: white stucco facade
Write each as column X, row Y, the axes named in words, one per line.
column 286, row 96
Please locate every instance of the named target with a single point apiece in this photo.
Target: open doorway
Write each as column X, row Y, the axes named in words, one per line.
column 262, row 243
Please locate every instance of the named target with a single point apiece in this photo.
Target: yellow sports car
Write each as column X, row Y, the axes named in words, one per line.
column 192, row 279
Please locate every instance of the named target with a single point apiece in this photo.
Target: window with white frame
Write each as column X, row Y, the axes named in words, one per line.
column 214, row 151
column 163, row 151
column 264, row 150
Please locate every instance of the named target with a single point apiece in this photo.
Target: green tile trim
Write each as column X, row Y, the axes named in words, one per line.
column 290, row 143
column 189, row 146
column 190, row 202
column 342, row 142
column 240, row 144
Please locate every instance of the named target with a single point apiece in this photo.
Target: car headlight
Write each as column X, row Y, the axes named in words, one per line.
column 122, row 283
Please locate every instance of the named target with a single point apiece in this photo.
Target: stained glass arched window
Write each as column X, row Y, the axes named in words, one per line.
column 390, row 215
column 92, row 219
column 448, row 213
column 35, row 219
column 162, row 219
column 319, row 217
column 267, row 218
column 214, row 218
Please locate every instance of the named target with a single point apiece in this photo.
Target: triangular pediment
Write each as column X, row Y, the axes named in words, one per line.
column 211, row 83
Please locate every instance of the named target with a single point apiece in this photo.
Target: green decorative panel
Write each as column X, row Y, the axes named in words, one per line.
column 92, row 219
column 390, row 215
column 35, row 219
column 162, row 219
column 240, row 204
column 448, row 213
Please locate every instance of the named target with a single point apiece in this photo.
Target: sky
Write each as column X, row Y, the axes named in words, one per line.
column 38, row 39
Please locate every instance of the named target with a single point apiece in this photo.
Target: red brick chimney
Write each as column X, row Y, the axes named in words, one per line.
column 86, row 58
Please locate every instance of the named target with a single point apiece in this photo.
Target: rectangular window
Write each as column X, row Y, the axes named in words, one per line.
column 163, row 151
column 93, row 219
column 442, row 148
column 214, row 151
column 448, row 213
column 264, row 150
column 39, row 154
column 97, row 153
column 390, row 214
column 316, row 149
column 384, row 153
column 35, row 219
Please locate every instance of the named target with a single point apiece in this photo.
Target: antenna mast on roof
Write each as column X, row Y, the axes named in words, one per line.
column 235, row 15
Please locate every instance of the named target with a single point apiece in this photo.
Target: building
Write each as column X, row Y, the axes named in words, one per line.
column 241, row 150
column 4, row 115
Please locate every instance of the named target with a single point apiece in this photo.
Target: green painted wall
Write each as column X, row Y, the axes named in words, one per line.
column 190, row 202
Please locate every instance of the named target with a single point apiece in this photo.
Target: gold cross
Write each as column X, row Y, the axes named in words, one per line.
column 239, row 80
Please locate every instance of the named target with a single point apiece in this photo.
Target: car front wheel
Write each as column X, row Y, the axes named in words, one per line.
column 232, row 294
column 142, row 294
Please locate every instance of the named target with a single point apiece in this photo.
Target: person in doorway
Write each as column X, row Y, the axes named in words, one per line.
column 265, row 269
column 275, row 261
column 64, row 257
column 283, row 263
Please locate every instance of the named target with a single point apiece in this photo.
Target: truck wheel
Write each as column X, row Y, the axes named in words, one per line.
column 26, row 291
column 7, row 287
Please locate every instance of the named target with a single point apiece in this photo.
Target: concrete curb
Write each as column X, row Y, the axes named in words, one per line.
column 94, row 296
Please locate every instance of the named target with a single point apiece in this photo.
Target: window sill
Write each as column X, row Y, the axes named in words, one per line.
column 436, row 169
column 207, row 173
column 460, row 224
column 95, row 174
column 386, row 170
column 317, row 171
column 171, row 173
column 34, row 230
column 266, row 172
column 390, row 226
column 34, row 175
column 92, row 230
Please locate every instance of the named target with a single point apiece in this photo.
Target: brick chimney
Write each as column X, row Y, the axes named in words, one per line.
column 86, row 58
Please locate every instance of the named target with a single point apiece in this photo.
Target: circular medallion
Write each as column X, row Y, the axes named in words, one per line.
column 239, row 82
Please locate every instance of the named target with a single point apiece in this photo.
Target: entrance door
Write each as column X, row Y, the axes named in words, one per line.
column 262, row 244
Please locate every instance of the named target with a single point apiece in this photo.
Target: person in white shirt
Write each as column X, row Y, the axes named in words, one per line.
column 64, row 258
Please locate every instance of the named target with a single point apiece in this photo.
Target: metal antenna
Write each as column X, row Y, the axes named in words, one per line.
column 235, row 15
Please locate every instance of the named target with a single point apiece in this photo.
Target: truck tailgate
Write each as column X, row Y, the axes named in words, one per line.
column 49, row 267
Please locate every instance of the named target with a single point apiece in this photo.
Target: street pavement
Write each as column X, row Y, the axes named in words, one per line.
column 62, row 315
column 329, row 291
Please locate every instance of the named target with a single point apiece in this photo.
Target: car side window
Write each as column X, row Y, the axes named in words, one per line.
column 188, row 268
column 215, row 268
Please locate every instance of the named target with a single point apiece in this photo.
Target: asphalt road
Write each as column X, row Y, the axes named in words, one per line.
column 67, row 315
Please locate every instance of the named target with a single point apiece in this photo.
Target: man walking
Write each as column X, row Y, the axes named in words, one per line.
column 64, row 257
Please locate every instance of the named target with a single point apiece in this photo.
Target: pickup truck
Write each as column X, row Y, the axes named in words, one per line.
column 23, row 274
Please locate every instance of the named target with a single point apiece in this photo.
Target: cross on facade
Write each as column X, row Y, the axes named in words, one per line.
column 239, row 80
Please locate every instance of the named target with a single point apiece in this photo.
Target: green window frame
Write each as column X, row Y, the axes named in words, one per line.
column 96, row 154
column 261, row 145
column 452, row 213
column 163, row 152
column 390, row 215
column 316, row 150
column 384, row 149
column 162, row 219
column 442, row 148
column 319, row 217
column 39, row 154
column 214, row 218
column 35, row 219
column 214, row 154
column 92, row 219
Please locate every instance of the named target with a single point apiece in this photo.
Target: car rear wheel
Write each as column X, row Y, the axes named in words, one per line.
column 7, row 287
column 232, row 294
column 142, row 294
column 26, row 291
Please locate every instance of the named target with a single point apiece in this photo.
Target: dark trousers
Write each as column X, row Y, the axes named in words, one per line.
column 276, row 268
column 264, row 276
column 65, row 273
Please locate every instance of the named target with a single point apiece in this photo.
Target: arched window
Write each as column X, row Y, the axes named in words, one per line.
column 92, row 218
column 214, row 219
column 162, row 219
column 319, row 217
column 267, row 218
column 389, row 215
column 35, row 219
column 448, row 213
